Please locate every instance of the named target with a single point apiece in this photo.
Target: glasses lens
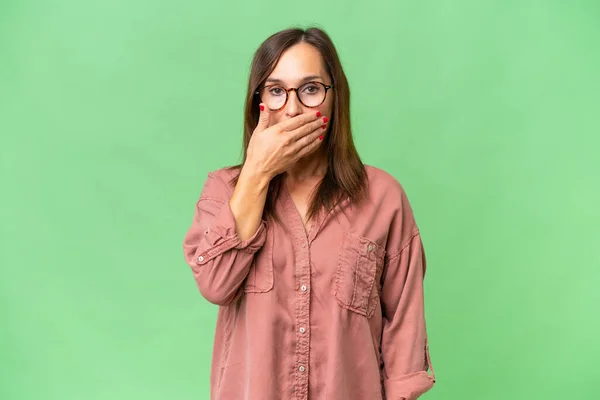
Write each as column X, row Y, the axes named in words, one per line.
column 311, row 94
column 273, row 96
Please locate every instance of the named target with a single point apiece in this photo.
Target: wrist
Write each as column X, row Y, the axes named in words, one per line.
column 255, row 178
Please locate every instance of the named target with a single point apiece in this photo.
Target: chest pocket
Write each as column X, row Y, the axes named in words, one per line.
column 359, row 264
column 260, row 276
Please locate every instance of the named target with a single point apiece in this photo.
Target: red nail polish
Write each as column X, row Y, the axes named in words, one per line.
column 262, row 108
column 324, row 126
column 325, row 119
column 321, row 137
column 318, row 114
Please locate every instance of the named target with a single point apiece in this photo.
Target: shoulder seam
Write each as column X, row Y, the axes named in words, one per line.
column 399, row 252
column 206, row 198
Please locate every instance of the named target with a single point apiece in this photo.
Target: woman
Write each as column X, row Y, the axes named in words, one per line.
column 315, row 259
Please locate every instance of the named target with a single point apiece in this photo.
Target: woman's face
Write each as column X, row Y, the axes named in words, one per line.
column 299, row 64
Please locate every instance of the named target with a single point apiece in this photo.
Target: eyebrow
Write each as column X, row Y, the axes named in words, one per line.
column 305, row 79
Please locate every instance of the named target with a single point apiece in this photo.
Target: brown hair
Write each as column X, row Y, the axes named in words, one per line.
column 346, row 176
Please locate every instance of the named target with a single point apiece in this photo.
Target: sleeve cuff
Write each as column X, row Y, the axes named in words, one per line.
column 222, row 236
column 224, row 226
column 409, row 386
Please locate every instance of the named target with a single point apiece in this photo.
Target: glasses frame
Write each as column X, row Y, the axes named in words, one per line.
column 288, row 90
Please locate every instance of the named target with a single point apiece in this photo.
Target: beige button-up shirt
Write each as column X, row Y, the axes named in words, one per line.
column 335, row 314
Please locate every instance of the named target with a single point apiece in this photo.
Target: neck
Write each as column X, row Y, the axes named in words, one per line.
column 307, row 168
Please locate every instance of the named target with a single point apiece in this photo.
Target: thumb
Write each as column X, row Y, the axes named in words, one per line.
column 263, row 119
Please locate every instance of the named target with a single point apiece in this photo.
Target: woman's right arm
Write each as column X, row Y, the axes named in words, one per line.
column 226, row 231
column 228, row 228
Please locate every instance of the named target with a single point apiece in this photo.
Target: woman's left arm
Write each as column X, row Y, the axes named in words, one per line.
column 404, row 344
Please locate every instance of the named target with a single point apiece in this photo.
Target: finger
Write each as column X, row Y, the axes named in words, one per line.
column 299, row 120
column 308, row 128
column 313, row 141
column 263, row 119
column 316, row 136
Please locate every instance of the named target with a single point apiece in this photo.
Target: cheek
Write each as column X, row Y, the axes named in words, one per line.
column 326, row 108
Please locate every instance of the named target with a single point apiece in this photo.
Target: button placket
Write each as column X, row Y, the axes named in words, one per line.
column 301, row 246
column 302, row 319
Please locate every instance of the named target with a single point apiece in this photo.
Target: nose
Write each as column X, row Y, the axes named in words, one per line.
column 293, row 106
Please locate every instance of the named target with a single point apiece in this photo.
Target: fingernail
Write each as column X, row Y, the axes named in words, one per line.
column 318, row 114
column 321, row 137
column 262, row 108
column 324, row 126
column 325, row 119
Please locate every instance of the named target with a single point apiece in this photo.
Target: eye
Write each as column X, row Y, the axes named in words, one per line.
column 276, row 91
column 311, row 89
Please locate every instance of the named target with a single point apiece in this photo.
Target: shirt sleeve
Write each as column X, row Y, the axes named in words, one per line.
column 404, row 344
column 219, row 259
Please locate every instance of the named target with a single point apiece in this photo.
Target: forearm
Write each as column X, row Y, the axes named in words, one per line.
column 248, row 201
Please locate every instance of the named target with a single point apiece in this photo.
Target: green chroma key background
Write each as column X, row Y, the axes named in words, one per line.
column 112, row 113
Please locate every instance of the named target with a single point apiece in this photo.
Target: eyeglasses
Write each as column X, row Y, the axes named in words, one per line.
column 310, row 94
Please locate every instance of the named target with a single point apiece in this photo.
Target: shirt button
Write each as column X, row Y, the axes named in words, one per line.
column 303, row 245
column 302, row 330
column 200, row 259
column 370, row 248
column 302, row 369
column 303, row 288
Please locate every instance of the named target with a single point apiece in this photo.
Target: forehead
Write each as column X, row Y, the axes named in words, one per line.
column 298, row 61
